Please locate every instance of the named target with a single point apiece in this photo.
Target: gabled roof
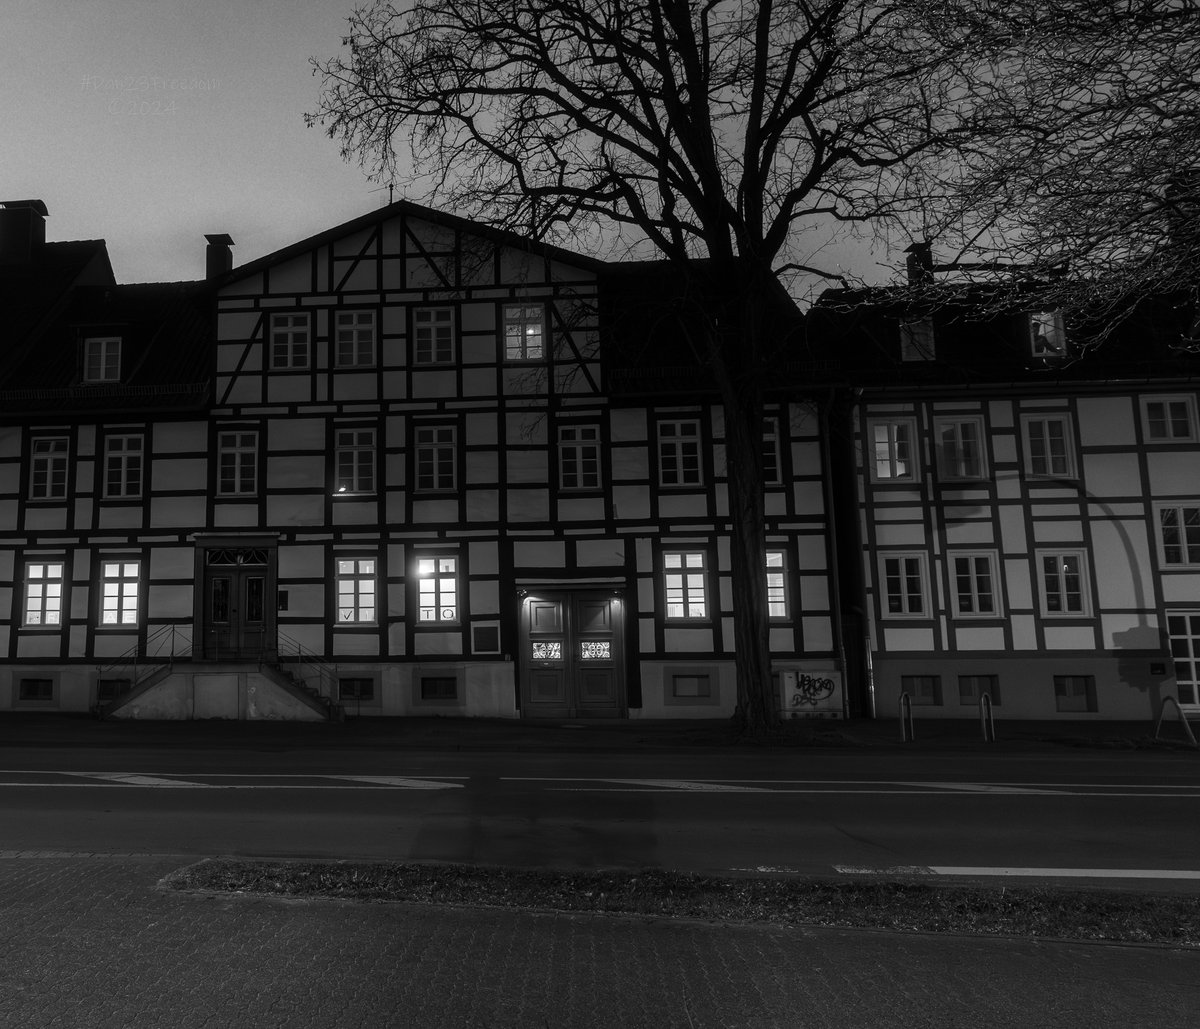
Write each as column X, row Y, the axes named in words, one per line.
column 32, row 293
column 501, row 237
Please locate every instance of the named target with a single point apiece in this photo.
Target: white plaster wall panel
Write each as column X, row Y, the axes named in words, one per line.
column 397, row 600
column 10, row 442
column 724, row 595
column 817, row 633
column 1019, row 588
column 896, row 497
column 627, row 426
column 528, row 505
column 525, row 428
column 395, row 385
column 397, row 642
column 294, row 276
column 362, row 274
column 235, row 516
column 898, row 514
column 1114, row 475
column 479, row 318
column 8, row 562
column 560, row 271
column 5, row 631
column 8, row 514
column 126, row 517
column 427, row 384
column 1174, row 473
column 899, row 535
column 682, row 505
column 354, row 386
column 905, row 638
column 234, row 325
column 305, row 600
column 298, row 562
column 355, row 643
column 581, row 509
column 490, row 690
column 1012, row 529
column 688, row 641
column 292, row 471
column 600, row 553
column 171, row 601
column 814, row 594
column 1109, row 511
column 969, row 533
column 1105, row 421
column 485, row 597
column 279, row 303
column 728, row 642
column 723, row 558
column 1127, row 631
column 647, row 596
column 1008, row 487
column 631, row 503
column 1122, row 565
column 1024, row 631
column 483, row 467
column 85, row 441
column 806, row 459
column 437, row 643
column 810, row 552
column 774, row 503
column 288, row 389
column 436, row 512
column 179, row 473
column 83, row 513
column 431, row 236
column 781, row 640
column 483, row 505
column 519, row 267
column 646, row 643
column 432, row 273
column 569, row 377
column 295, row 509
column 106, row 645
column 1181, row 588
column 539, row 554
column 479, row 382
column 35, row 644
column 1001, row 414
column 245, row 389
column 45, row 519
column 979, row 637
column 808, row 498
column 179, row 438
column 85, row 475
column 1004, row 448
column 1070, row 637
column 517, row 381
column 629, row 463
column 393, row 322
column 354, row 512
column 1058, row 532
column 394, row 470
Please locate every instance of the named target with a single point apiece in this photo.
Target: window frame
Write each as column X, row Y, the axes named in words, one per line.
column 1091, row 701
column 123, row 460
column 355, row 342
column 108, row 347
column 47, row 581
column 772, row 453
column 352, row 484
column 1180, row 507
column 1166, row 399
column 436, row 575
column 298, row 339
column 684, row 572
column 1029, row 418
column 885, row 596
column 1041, row 555
column 422, row 323
column 677, row 443
column 49, row 464
column 1056, row 320
column 434, row 451
column 520, row 354
column 237, row 450
column 975, row 678
column 909, row 422
column 349, row 594
column 946, row 473
column 782, row 590
column 580, row 472
column 121, row 580
column 936, row 698
column 993, row 571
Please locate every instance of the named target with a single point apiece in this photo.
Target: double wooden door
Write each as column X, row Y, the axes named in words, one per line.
column 237, row 617
column 572, row 657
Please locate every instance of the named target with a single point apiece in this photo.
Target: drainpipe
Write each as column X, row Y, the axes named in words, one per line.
column 832, row 550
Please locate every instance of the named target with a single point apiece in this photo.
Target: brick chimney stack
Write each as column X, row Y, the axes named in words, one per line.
column 22, row 231
column 218, row 258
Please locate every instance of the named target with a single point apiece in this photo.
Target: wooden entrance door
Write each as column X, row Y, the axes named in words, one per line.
column 237, row 618
column 572, row 660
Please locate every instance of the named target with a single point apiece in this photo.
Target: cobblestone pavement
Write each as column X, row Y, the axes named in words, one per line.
column 89, row 941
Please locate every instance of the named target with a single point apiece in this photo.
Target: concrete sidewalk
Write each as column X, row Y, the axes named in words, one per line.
column 91, row 943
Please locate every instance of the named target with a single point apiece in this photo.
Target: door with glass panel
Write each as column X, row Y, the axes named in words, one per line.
column 236, row 614
column 572, row 662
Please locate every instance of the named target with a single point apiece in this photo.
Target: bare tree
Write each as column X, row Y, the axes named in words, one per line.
column 720, row 135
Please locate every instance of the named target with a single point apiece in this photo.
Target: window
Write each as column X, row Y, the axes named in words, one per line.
column 972, row 687
column 1179, row 528
column 923, row 690
column 1048, row 450
column 959, row 448
column 436, row 457
column 917, row 340
column 119, row 592
column 433, row 330
column 579, row 457
column 48, row 474
column 974, row 584
column 1184, row 629
column 39, row 691
column 771, row 465
column 776, row 584
column 524, row 332
column 102, row 359
column 354, row 339
column 289, row 341
column 356, row 593
column 357, row 689
column 1047, row 335
column 904, row 593
column 693, row 685
column 237, row 463
column 123, row 466
column 1062, row 577
column 44, row 593
column 1169, row 419
column 437, row 589
column 355, row 454
column 679, row 453
column 892, row 458
column 686, row 584
column 1075, row 693
column 439, row 687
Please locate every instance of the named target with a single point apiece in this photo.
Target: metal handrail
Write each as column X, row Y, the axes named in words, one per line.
column 985, row 717
column 906, row 717
column 1162, row 710
column 140, row 651
column 322, row 671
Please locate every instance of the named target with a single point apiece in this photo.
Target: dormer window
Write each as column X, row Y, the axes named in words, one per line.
column 102, row 359
column 916, row 340
column 1048, row 335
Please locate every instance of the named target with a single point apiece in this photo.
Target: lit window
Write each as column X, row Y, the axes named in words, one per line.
column 123, row 466
column 102, row 359
column 904, row 593
column 356, row 591
column 974, row 584
column 237, row 463
column 959, row 448
column 686, row 584
column 1179, row 529
column 1184, row 629
column 354, row 339
column 892, row 458
column 776, row 585
column 1063, row 580
column 48, row 474
column 44, row 593
column 1169, row 419
column 1047, row 335
column 771, row 465
column 679, row 453
column 289, row 341
column 524, row 332
column 433, row 329
column 355, row 454
column 437, row 588
column 579, row 456
column 119, row 593
column 917, row 340
column 436, row 457
column 1048, row 450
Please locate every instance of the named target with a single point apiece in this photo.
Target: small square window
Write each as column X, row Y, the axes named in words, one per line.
column 1049, row 446
column 524, row 332
column 892, row 445
column 904, row 588
column 972, row 687
column 290, row 341
column 685, row 581
column 102, row 359
column 1075, row 693
column 679, row 453
column 354, row 339
column 1048, row 335
column 923, row 690
column 974, row 585
column 1169, row 419
column 433, row 334
column 960, row 448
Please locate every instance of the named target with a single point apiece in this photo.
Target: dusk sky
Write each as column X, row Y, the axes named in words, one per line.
column 149, row 123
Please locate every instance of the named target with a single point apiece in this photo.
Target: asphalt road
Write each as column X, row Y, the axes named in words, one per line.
column 1127, row 819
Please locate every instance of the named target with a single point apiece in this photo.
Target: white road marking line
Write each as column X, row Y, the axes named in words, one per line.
column 1042, row 873
column 400, row 782
column 691, row 785
column 136, row 779
column 981, row 787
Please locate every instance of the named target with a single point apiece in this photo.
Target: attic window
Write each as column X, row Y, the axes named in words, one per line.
column 102, row 359
column 916, row 340
column 1048, row 334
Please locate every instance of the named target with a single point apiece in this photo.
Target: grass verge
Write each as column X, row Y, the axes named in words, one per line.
column 895, row 905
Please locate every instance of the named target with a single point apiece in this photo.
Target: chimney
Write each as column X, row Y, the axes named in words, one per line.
column 22, row 230
column 920, row 264
column 218, row 258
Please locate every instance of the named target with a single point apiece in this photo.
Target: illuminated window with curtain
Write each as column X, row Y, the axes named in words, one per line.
column 43, row 593
column 356, row 591
column 892, row 456
column 119, row 592
column 437, row 589
column 685, row 579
